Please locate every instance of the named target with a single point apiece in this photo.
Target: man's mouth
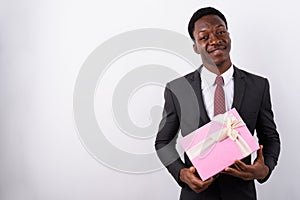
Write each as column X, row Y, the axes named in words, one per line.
column 220, row 48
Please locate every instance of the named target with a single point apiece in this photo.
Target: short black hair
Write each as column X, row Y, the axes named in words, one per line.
column 201, row 13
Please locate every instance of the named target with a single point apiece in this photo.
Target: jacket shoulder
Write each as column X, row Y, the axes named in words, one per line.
column 183, row 79
column 250, row 77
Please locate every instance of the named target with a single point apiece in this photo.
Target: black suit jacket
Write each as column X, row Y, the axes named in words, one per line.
column 184, row 110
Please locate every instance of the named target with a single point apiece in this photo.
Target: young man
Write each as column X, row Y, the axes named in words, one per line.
column 216, row 87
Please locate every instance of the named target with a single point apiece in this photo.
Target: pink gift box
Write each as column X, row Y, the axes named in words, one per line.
column 216, row 145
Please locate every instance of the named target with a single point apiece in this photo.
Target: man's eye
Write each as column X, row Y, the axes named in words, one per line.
column 204, row 38
column 221, row 32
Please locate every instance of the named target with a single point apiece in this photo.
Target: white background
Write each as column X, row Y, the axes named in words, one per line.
column 42, row 47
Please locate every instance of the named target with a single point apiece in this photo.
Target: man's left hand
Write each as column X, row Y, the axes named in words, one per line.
column 258, row 170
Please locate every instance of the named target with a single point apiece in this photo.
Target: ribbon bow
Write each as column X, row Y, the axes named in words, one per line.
column 229, row 124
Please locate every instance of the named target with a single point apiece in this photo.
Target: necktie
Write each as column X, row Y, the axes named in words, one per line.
column 219, row 98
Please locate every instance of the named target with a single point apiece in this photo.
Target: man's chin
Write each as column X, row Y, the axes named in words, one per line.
column 211, row 62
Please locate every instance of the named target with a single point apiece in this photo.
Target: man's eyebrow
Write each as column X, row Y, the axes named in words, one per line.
column 201, row 30
column 204, row 29
column 220, row 25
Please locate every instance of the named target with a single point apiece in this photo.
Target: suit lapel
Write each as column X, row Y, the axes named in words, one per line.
column 196, row 84
column 239, row 88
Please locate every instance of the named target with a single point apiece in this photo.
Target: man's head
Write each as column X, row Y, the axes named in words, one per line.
column 201, row 13
column 208, row 30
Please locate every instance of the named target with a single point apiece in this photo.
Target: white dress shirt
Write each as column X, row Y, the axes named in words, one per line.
column 208, row 87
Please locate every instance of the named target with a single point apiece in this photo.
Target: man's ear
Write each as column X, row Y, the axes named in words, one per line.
column 196, row 49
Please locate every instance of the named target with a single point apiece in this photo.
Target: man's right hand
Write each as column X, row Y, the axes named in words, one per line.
column 189, row 176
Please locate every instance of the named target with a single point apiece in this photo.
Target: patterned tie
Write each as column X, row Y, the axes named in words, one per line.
column 219, row 99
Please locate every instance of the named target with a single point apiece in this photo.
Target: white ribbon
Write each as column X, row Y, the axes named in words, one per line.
column 230, row 123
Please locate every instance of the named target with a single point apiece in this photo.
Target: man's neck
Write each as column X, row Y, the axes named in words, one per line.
column 218, row 69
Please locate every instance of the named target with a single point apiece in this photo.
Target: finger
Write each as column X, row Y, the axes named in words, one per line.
column 231, row 171
column 241, row 165
column 207, row 182
column 193, row 175
column 237, row 167
column 226, row 169
column 192, row 169
column 200, row 183
column 204, row 184
column 260, row 153
column 237, row 173
column 197, row 182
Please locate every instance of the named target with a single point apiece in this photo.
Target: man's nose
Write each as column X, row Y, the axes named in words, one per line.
column 213, row 39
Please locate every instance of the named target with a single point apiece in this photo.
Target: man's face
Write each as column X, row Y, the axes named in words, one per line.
column 212, row 40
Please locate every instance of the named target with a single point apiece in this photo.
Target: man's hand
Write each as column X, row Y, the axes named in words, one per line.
column 249, row 172
column 189, row 176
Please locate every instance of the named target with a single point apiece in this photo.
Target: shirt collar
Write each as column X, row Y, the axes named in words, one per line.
column 208, row 78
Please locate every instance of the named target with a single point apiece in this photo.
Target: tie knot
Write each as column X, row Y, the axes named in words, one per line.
column 219, row 80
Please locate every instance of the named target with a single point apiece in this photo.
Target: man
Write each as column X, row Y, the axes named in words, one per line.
column 193, row 100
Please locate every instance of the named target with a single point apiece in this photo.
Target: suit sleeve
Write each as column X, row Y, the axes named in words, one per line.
column 165, row 142
column 267, row 133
